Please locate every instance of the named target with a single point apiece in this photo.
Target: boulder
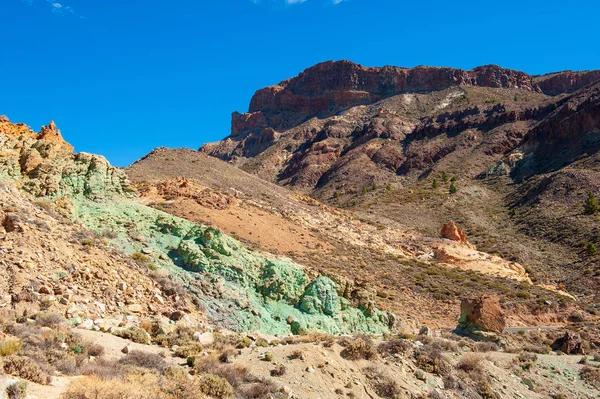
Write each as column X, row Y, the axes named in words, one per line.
column 452, row 232
column 570, row 344
column 482, row 313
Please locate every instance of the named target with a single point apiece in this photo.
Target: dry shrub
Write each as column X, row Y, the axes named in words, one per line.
column 359, row 347
column 432, row 361
column 181, row 336
column 383, row 384
column 49, row 319
column 471, row 361
column 278, row 371
column 10, row 347
column 25, row 368
column 443, row 345
column 134, row 334
column 296, row 354
column 146, row 360
column 526, row 360
column 215, row 386
column 596, row 357
column 186, row 351
column 395, row 347
column 486, row 347
column 96, row 388
column 228, row 355
column 94, row 349
column 591, row 375
column 17, row 390
column 258, row 390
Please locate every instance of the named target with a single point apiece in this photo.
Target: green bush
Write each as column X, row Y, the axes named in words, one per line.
column 215, row 386
column 591, row 204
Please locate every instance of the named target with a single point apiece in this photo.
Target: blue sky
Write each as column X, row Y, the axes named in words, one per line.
column 121, row 77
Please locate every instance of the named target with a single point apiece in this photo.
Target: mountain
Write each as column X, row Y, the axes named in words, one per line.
column 520, row 150
column 366, row 232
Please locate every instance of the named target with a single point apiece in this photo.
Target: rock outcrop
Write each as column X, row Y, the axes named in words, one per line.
column 452, row 232
column 482, row 313
column 47, row 166
column 570, row 344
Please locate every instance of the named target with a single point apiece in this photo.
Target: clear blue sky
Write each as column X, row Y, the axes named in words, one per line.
column 121, row 77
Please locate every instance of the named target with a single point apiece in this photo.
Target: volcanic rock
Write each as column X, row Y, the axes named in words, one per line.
column 482, row 313
column 570, row 344
column 452, row 232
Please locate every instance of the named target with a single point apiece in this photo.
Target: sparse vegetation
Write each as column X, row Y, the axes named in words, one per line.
column 358, row 347
column 591, row 204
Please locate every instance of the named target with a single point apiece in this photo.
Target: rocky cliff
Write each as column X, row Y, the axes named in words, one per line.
column 330, row 87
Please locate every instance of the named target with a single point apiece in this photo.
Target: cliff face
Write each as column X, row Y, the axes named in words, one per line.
column 330, row 87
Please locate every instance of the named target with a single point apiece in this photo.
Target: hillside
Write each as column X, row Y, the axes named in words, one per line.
column 520, row 151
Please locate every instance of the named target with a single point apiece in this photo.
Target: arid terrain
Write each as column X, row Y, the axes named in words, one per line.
column 362, row 233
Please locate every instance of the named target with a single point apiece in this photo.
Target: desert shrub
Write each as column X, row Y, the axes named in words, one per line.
column 383, row 384
column 596, row 357
column 228, row 354
column 134, row 334
column 96, row 388
column 526, row 360
column 146, row 360
column 49, row 319
column 104, row 369
column 258, row 390
column 296, row 354
column 591, row 375
column 25, row 368
column 215, row 386
column 141, row 258
column 471, row 361
column 278, row 371
column 444, row 345
column 168, row 285
column 261, row 343
column 186, row 351
column 94, row 349
column 486, row 347
column 181, row 336
column 431, row 360
column 395, row 347
column 223, row 341
column 17, row 390
column 359, row 347
column 268, row 357
column 10, row 347
column 576, row 317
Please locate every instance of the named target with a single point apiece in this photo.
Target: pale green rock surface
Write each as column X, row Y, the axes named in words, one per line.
column 241, row 290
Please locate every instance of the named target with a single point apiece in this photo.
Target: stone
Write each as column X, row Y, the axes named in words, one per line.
column 135, row 308
column 126, row 349
column 570, row 344
column 205, row 339
column 482, row 313
column 452, row 232
column 46, row 290
column 177, row 315
column 86, row 324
